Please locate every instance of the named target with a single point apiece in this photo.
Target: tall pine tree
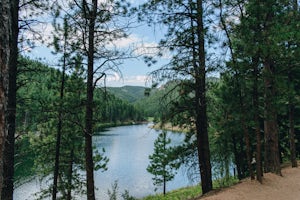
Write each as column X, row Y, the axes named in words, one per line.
column 185, row 38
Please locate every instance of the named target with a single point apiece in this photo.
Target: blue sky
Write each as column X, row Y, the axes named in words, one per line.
column 133, row 71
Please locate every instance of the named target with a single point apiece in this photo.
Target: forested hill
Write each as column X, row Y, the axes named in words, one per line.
column 149, row 105
column 39, row 104
column 159, row 100
column 128, row 93
column 39, row 85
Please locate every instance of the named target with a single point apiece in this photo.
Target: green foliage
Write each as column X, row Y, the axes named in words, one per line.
column 190, row 192
column 113, row 193
column 161, row 164
column 114, row 110
column 227, row 142
column 156, row 102
column 180, row 194
column 128, row 93
column 126, row 196
column 100, row 160
column 38, row 105
column 265, row 31
column 24, row 161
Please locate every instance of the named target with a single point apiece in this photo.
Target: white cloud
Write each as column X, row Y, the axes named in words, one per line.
column 140, row 46
column 129, row 41
column 140, row 79
column 150, row 48
column 113, row 77
column 117, row 81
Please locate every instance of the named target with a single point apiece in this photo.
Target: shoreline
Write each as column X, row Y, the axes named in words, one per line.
column 169, row 127
column 104, row 126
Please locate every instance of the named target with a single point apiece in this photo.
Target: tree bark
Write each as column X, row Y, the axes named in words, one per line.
column 70, row 175
column 237, row 158
column 272, row 161
column 255, row 97
column 246, row 132
column 164, row 151
column 4, row 67
column 292, row 132
column 201, row 114
column 292, row 106
column 89, row 104
column 165, row 184
column 8, row 63
column 248, row 146
column 9, row 150
column 59, row 125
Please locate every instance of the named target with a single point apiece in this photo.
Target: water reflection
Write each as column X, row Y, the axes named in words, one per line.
column 127, row 148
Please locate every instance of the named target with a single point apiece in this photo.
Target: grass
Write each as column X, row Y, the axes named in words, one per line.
column 191, row 192
column 179, row 194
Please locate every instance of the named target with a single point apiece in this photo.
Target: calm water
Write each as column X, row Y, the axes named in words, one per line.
column 127, row 148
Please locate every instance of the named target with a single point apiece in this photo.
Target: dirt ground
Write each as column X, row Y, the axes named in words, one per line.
column 285, row 187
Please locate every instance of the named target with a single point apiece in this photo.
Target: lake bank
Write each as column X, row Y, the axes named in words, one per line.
column 104, row 126
column 169, row 127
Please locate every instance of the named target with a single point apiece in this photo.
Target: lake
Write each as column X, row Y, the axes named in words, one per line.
column 127, row 148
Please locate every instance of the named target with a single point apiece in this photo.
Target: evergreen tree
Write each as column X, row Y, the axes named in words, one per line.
column 238, row 73
column 64, row 49
column 291, row 87
column 185, row 38
column 161, row 166
column 94, row 28
column 38, row 108
column 264, row 67
column 263, row 19
column 228, row 141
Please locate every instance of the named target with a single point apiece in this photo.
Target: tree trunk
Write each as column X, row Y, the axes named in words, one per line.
column 292, row 133
column 246, row 133
column 255, row 97
column 4, row 67
column 243, row 155
column 89, row 104
column 8, row 63
column 248, row 146
column 272, row 162
column 165, row 182
column 59, row 126
column 201, row 115
column 241, row 100
column 165, row 161
column 70, row 175
column 237, row 158
column 292, row 106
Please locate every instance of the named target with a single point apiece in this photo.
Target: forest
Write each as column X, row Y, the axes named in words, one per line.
column 230, row 84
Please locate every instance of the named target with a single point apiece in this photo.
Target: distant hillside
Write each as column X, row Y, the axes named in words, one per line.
column 128, row 93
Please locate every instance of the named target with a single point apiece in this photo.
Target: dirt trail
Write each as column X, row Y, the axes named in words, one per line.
column 274, row 187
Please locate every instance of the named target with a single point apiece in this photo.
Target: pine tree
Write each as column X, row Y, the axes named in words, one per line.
column 291, row 89
column 238, row 75
column 161, row 166
column 185, row 38
column 8, row 74
column 66, row 55
column 94, row 31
